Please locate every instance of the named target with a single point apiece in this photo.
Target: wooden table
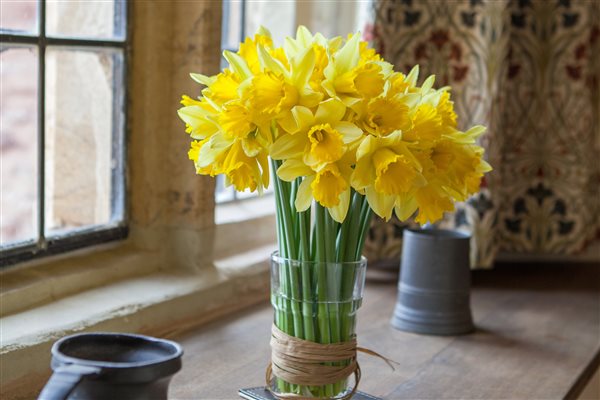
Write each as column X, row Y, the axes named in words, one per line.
column 538, row 337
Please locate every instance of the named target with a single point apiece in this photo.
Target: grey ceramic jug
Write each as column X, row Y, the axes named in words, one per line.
column 99, row 366
column 434, row 286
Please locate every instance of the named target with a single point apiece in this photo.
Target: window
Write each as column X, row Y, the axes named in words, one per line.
column 62, row 125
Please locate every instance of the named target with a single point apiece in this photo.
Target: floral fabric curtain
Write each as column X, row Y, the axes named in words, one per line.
column 529, row 70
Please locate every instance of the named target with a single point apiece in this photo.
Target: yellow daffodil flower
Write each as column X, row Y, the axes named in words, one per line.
column 235, row 120
column 383, row 115
column 319, row 138
column 426, row 126
column 245, row 172
column 461, row 164
column 271, row 94
column 385, row 169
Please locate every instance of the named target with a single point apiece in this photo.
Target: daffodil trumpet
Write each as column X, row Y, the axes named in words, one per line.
column 340, row 136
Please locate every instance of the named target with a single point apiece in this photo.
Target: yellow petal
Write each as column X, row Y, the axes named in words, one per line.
column 263, row 31
column 288, row 123
column 303, row 35
column 347, row 57
column 268, row 62
column 287, row 146
column 475, row 132
column 331, row 110
column 485, row 167
column 291, row 47
column 292, row 169
column 405, row 207
column 304, row 117
column 309, row 98
column 349, row 131
column 212, row 149
column 302, row 67
column 203, row 79
column 412, row 76
column 428, row 84
column 238, row 64
column 366, row 147
column 339, row 212
column 263, row 161
column 381, row 204
column 304, row 196
column 362, row 175
column 251, row 146
column 199, row 121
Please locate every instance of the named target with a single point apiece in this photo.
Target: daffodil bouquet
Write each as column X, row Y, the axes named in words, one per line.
column 344, row 135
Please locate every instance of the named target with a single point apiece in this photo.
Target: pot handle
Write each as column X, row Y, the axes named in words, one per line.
column 64, row 379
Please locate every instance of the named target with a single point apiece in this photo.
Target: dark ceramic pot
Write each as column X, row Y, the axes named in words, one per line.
column 99, row 366
column 435, row 281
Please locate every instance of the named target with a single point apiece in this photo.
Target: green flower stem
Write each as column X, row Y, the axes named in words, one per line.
column 288, row 278
column 367, row 215
column 354, row 221
column 324, row 334
column 308, row 311
column 321, row 258
column 333, row 289
column 342, row 237
column 281, row 306
column 294, row 216
column 344, row 242
column 307, row 298
column 292, row 274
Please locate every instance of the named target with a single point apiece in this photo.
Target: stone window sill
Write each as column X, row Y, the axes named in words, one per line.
column 135, row 286
column 162, row 303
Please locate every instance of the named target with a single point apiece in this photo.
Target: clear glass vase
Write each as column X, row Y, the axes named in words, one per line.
column 317, row 302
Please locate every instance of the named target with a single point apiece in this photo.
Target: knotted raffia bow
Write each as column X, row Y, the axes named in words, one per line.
column 301, row 362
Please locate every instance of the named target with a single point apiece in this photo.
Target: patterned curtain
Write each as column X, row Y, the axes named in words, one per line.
column 529, row 70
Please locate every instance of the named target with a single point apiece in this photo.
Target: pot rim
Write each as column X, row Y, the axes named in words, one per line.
column 61, row 357
column 437, row 234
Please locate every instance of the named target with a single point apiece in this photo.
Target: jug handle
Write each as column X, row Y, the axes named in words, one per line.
column 64, row 379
